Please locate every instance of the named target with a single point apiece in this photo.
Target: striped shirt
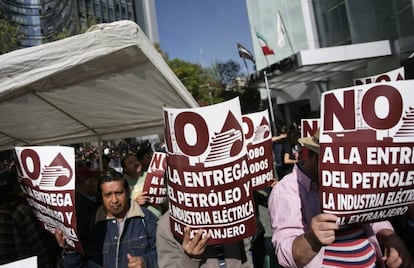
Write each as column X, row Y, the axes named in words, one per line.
column 350, row 249
column 21, row 236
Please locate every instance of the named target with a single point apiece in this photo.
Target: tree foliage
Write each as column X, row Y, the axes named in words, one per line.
column 90, row 20
column 250, row 100
column 207, row 85
column 9, row 35
column 60, row 35
column 163, row 53
column 226, row 72
column 83, row 27
column 201, row 84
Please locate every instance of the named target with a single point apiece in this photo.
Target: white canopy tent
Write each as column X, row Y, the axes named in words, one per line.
column 105, row 84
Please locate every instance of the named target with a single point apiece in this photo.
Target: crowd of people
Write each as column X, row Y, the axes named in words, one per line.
column 117, row 227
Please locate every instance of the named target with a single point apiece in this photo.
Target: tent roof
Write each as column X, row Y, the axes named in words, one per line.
column 107, row 83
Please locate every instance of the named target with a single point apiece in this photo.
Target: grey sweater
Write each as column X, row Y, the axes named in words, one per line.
column 171, row 253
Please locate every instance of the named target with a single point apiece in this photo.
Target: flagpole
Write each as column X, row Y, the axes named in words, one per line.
column 286, row 31
column 272, row 116
column 244, row 53
column 247, row 69
column 267, row 61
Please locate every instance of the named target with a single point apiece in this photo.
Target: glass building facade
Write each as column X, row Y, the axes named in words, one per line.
column 342, row 22
column 42, row 21
column 262, row 16
column 328, row 43
column 141, row 11
column 327, row 23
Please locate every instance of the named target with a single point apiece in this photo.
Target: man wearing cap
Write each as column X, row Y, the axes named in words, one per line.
column 304, row 237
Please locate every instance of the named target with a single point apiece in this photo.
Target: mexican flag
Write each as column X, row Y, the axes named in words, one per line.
column 263, row 43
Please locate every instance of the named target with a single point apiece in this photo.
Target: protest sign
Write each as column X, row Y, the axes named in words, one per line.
column 47, row 177
column 394, row 75
column 154, row 184
column 27, row 262
column 208, row 176
column 308, row 128
column 367, row 151
column 258, row 135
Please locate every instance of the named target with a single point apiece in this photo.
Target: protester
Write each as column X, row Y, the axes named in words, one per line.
column 144, row 156
column 21, row 235
column 404, row 226
column 277, row 144
column 86, row 201
column 410, row 211
column 106, row 159
column 261, row 249
column 131, row 168
column 136, row 179
column 304, row 237
column 291, row 151
column 195, row 252
column 122, row 233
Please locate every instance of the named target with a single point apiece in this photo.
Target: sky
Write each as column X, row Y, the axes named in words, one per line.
column 203, row 31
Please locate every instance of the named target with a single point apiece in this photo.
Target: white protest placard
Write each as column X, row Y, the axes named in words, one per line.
column 155, row 184
column 30, row 262
column 209, row 186
column 367, row 151
column 47, row 177
column 308, row 127
column 258, row 135
column 394, row 75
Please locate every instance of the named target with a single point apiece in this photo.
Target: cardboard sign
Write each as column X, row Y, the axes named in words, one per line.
column 308, row 128
column 155, row 184
column 209, row 186
column 367, row 151
column 394, row 75
column 47, row 177
column 258, row 135
column 27, row 262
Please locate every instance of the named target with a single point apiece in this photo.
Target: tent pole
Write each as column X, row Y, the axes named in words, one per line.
column 100, row 153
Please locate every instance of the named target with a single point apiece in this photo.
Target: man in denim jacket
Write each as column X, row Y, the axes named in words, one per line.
column 122, row 234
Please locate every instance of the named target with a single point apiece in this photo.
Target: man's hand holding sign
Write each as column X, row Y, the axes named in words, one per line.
column 212, row 173
column 332, row 209
column 208, row 174
column 47, row 176
column 370, row 178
